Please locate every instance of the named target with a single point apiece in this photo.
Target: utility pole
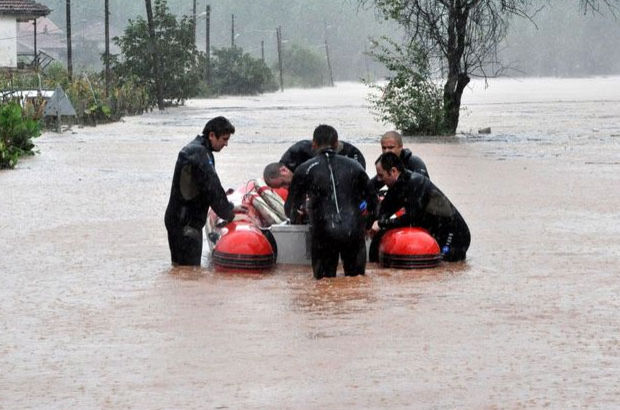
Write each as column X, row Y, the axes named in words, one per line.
column 208, row 47
column 155, row 56
column 279, row 39
column 35, row 60
column 107, row 47
column 262, row 50
column 232, row 32
column 329, row 65
column 194, row 21
column 68, row 24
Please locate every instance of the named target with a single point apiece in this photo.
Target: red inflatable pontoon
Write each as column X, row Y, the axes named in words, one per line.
column 409, row 248
column 241, row 245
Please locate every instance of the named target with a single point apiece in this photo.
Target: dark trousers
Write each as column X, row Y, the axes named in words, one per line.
column 326, row 251
column 185, row 246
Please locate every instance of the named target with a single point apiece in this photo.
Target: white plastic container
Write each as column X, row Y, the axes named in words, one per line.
column 293, row 244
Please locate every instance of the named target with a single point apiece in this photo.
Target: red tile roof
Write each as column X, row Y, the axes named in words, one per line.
column 23, row 8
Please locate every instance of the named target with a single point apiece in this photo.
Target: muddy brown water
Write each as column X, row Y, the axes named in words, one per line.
column 93, row 315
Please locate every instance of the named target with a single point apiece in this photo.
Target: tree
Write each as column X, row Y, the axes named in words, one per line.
column 410, row 100
column 176, row 55
column 155, row 56
column 461, row 37
column 302, row 67
column 237, row 73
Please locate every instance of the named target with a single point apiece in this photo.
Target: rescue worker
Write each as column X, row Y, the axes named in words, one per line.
column 195, row 188
column 392, row 141
column 302, row 151
column 334, row 187
column 425, row 206
column 277, row 175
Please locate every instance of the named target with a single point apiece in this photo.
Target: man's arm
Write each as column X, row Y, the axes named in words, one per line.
column 210, row 185
column 296, row 197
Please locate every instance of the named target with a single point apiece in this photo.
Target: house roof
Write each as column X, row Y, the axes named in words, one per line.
column 23, row 9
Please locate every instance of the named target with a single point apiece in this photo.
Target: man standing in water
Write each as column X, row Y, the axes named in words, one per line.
column 425, row 206
column 196, row 187
column 336, row 186
column 392, row 141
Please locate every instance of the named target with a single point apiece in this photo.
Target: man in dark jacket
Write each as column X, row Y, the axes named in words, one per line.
column 392, row 141
column 335, row 187
column 425, row 206
column 195, row 188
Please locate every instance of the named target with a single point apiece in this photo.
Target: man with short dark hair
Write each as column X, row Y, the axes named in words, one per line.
column 425, row 206
column 392, row 141
column 195, row 188
column 336, row 187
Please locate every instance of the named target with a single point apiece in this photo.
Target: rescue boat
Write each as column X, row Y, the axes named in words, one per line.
column 246, row 244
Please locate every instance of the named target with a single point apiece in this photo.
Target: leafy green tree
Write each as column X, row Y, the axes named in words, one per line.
column 176, row 51
column 16, row 133
column 234, row 72
column 302, row 67
column 410, row 100
column 461, row 37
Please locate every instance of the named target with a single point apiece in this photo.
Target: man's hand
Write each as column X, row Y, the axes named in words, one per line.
column 374, row 229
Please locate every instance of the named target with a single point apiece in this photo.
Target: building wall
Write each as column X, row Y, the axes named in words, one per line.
column 8, row 41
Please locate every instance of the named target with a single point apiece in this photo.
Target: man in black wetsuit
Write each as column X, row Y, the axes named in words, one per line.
column 425, row 206
column 392, row 141
column 336, row 186
column 196, row 187
column 280, row 174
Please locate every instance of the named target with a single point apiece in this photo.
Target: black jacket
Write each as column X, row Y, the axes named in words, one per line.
column 425, row 206
column 196, row 187
column 302, row 151
column 332, row 209
column 411, row 162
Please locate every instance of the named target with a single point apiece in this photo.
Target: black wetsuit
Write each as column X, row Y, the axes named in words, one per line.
column 336, row 222
column 410, row 162
column 195, row 187
column 427, row 207
column 302, row 151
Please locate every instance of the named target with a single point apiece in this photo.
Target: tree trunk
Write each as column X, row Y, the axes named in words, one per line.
column 457, row 75
column 68, row 24
column 452, row 93
column 155, row 56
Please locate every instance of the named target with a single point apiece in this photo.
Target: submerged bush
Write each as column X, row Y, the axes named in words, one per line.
column 16, row 133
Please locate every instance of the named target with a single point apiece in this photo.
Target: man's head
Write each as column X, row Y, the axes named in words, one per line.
column 218, row 131
column 389, row 167
column 324, row 136
column 392, row 141
column 277, row 175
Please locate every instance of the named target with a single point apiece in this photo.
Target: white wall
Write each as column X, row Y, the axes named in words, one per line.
column 8, row 41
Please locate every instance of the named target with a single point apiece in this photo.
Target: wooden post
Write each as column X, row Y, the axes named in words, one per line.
column 279, row 40
column 35, row 60
column 208, row 46
column 232, row 32
column 329, row 66
column 194, row 21
column 107, row 47
column 68, row 27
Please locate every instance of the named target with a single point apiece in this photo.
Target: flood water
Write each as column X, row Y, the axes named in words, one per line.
column 93, row 316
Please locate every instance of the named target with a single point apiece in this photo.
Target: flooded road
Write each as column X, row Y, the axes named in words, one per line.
column 93, row 316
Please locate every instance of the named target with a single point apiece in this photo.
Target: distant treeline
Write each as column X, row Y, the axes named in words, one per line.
column 562, row 42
